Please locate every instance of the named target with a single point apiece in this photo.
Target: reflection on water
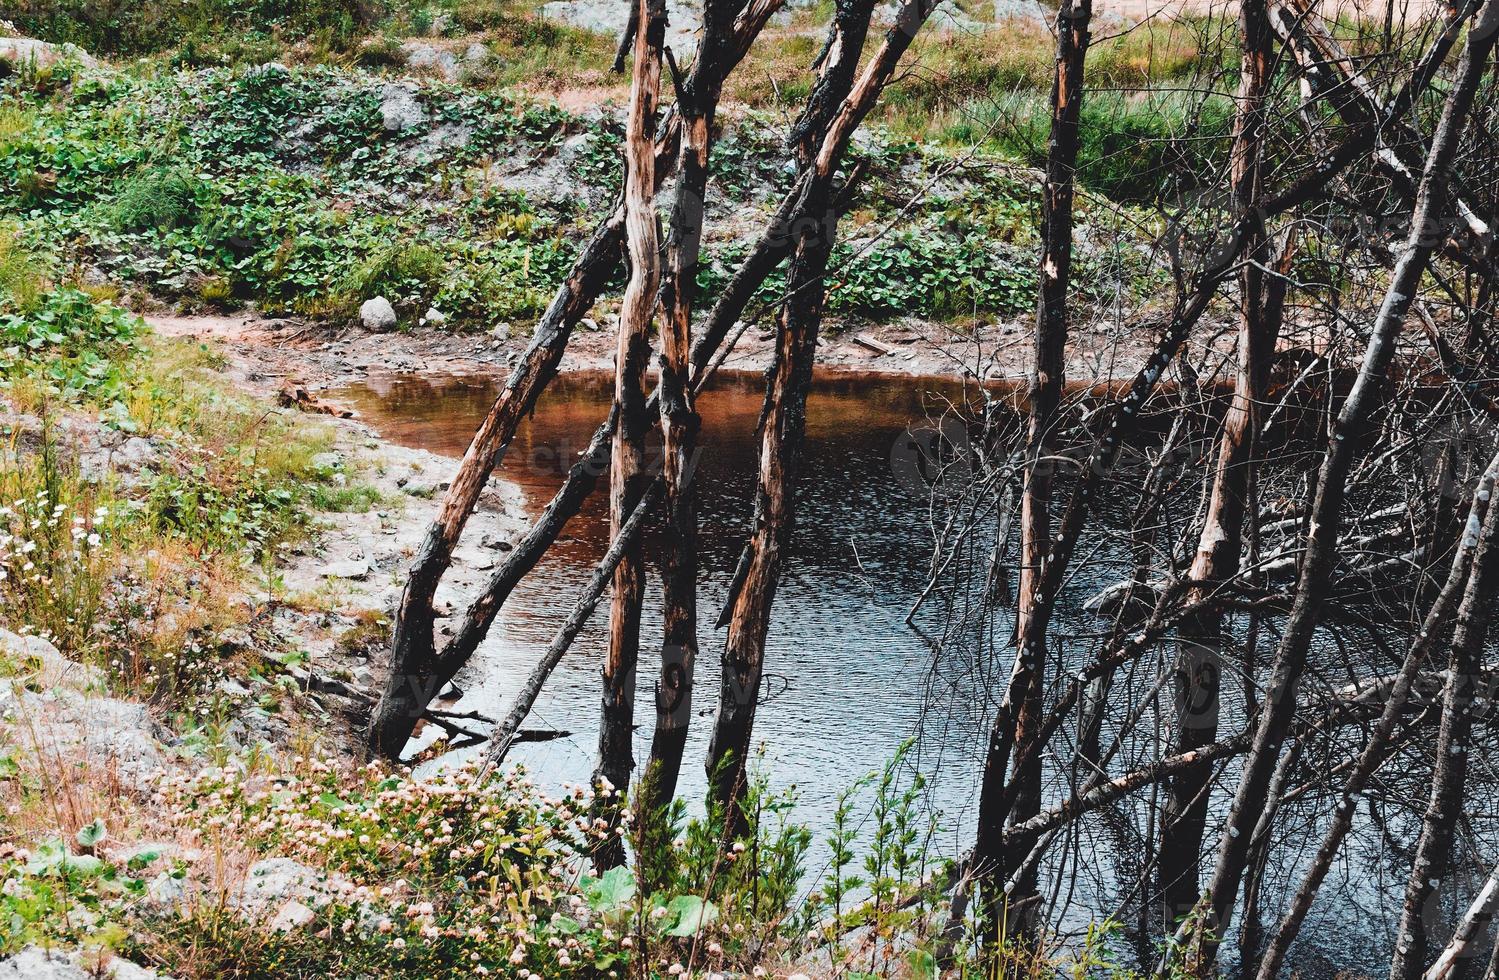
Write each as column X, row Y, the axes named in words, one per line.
column 846, row 677
column 848, row 682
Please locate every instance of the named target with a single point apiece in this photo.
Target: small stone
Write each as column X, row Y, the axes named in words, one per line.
column 166, row 889
column 434, row 317
column 276, row 880
column 378, row 315
column 293, row 915
column 400, row 110
column 135, row 453
column 326, row 464
column 348, row 568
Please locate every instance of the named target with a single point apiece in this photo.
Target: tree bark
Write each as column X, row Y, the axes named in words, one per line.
column 1433, row 856
column 1045, row 395
column 1433, row 628
column 1326, row 517
column 1473, row 925
column 996, row 794
column 768, row 252
column 782, row 423
column 696, row 106
column 627, row 473
column 1200, row 652
column 783, row 416
column 418, row 671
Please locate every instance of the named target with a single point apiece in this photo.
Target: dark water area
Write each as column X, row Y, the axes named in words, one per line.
column 848, row 682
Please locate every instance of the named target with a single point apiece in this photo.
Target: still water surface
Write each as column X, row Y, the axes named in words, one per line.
column 847, row 680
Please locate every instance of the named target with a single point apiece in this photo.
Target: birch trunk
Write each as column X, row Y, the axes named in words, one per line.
column 1200, row 653
column 1046, row 388
column 1320, row 555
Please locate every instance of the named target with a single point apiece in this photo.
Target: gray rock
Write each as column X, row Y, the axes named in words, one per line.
column 166, row 889
column 275, row 881
column 350, row 568
column 103, row 733
column 52, row 668
column 20, row 51
column 273, row 69
column 434, row 317
column 419, row 54
column 35, row 963
column 135, row 454
column 325, row 464
column 1026, row 11
column 292, row 915
column 378, row 315
column 400, row 110
column 609, row 17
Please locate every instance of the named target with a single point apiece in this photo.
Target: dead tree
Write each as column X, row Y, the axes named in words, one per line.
column 418, row 669
column 1478, row 527
column 1199, row 661
column 1472, row 926
column 1047, row 383
column 1433, row 858
column 707, row 350
column 696, row 106
column 1325, row 520
column 627, row 473
column 782, row 419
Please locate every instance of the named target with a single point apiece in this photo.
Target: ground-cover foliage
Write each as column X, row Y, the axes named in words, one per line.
column 466, row 872
column 132, row 569
column 293, row 188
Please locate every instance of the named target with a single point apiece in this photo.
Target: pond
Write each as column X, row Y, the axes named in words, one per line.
column 848, row 681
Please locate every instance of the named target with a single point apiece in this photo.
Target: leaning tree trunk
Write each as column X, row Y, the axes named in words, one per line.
column 782, row 421
column 1025, row 686
column 418, row 670
column 1471, row 928
column 736, row 295
column 783, row 415
column 1199, row 658
column 1478, row 529
column 679, row 418
column 627, row 473
column 1433, row 858
column 1325, row 519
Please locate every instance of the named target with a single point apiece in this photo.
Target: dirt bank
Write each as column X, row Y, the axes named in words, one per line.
column 271, row 354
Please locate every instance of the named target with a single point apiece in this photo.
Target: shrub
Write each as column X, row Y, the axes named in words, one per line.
column 156, row 197
column 135, row 27
column 1134, row 146
column 22, row 274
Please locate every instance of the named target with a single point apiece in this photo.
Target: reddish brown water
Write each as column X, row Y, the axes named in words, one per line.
column 847, row 680
column 841, row 661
